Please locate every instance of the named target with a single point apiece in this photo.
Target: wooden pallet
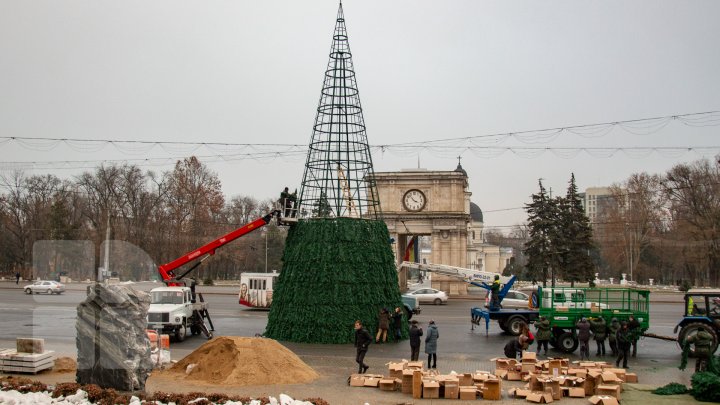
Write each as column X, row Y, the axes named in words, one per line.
column 13, row 362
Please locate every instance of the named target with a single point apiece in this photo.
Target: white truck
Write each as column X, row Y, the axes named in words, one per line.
column 173, row 311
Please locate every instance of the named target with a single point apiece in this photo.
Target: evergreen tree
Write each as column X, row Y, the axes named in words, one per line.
column 574, row 238
column 542, row 215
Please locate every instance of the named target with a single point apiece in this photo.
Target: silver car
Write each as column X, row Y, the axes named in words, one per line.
column 432, row 295
column 513, row 299
column 45, row 287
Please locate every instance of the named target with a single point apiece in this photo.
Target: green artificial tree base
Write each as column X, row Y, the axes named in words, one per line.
column 335, row 271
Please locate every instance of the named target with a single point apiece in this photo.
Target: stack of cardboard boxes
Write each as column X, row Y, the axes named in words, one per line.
column 411, row 378
column 551, row 380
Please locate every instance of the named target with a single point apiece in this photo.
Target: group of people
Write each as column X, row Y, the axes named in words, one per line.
column 622, row 336
column 363, row 338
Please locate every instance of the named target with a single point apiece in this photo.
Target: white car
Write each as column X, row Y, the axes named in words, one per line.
column 432, row 295
column 513, row 299
column 47, row 287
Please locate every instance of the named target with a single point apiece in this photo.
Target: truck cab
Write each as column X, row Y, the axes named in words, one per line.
column 172, row 310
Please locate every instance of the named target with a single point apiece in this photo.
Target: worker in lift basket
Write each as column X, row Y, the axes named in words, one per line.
column 495, row 294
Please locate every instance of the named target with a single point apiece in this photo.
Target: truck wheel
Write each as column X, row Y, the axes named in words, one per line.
column 513, row 325
column 567, row 342
column 692, row 329
column 181, row 332
column 194, row 330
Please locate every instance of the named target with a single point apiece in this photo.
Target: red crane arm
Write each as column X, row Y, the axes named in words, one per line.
column 167, row 271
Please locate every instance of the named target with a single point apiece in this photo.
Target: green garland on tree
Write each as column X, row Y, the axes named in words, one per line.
column 335, row 271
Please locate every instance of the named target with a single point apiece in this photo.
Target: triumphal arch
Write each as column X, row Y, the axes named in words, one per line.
column 420, row 202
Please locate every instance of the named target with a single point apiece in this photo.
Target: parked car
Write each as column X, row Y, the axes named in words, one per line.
column 432, row 295
column 513, row 299
column 47, row 287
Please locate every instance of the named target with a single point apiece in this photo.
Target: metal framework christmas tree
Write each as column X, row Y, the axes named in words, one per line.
column 338, row 179
column 338, row 266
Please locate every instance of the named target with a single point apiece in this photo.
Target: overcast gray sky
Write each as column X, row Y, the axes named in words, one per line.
column 251, row 72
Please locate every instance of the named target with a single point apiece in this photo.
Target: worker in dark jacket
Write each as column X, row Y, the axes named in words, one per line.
column 635, row 332
column 599, row 330
column 543, row 334
column 397, row 323
column 703, row 345
column 612, row 331
column 623, row 339
column 415, row 333
column 362, row 341
column 383, row 325
column 495, row 294
column 583, row 334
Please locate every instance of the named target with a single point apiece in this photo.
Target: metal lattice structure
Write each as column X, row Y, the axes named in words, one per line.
column 339, row 178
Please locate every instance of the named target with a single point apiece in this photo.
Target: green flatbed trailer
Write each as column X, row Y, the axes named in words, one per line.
column 565, row 306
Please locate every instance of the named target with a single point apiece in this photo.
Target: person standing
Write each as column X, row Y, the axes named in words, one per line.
column 397, row 323
column 495, row 294
column 431, row 344
column 415, row 333
column 635, row 332
column 362, row 341
column 599, row 330
column 543, row 334
column 17, row 277
column 623, row 340
column 703, row 344
column 583, row 335
column 383, row 325
column 612, row 333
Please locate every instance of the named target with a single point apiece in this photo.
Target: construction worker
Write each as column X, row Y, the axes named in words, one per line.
column 612, row 331
column 703, row 343
column 635, row 333
column 495, row 294
column 599, row 330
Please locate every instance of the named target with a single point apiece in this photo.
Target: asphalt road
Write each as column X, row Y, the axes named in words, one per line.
column 53, row 318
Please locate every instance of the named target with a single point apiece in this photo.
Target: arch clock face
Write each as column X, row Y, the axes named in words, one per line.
column 414, row 200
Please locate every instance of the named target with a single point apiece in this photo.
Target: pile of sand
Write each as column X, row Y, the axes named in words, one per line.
column 65, row 365
column 240, row 361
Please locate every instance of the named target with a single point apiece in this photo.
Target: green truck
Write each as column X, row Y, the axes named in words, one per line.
column 564, row 306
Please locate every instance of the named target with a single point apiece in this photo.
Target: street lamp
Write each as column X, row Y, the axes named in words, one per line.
column 266, row 249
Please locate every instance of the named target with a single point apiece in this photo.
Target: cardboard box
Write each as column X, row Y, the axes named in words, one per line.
column 414, row 364
column 519, row 392
column 357, row 380
column 504, row 363
column 608, row 377
column 501, row 373
column 431, row 389
column 603, row 400
column 527, row 368
column 619, row 372
column 513, row 375
column 372, row 381
column 407, row 381
column 466, row 380
column 553, row 386
column 387, row 384
column 451, row 390
column 468, row 393
column 491, row 390
column 554, row 367
column 612, row 390
column 631, row 378
column 539, row 397
column 396, row 369
column 529, row 357
column 576, row 392
column 417, row 384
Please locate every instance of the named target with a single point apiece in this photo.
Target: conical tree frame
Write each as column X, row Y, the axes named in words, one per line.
column 338, row 265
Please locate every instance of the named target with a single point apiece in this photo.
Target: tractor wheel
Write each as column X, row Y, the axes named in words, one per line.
column 692, row 329
column 567, row 342
column 513, row 325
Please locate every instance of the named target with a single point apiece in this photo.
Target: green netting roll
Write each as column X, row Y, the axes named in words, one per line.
column 335, row 270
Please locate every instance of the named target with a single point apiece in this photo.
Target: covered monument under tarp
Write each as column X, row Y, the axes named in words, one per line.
column 113, row 349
